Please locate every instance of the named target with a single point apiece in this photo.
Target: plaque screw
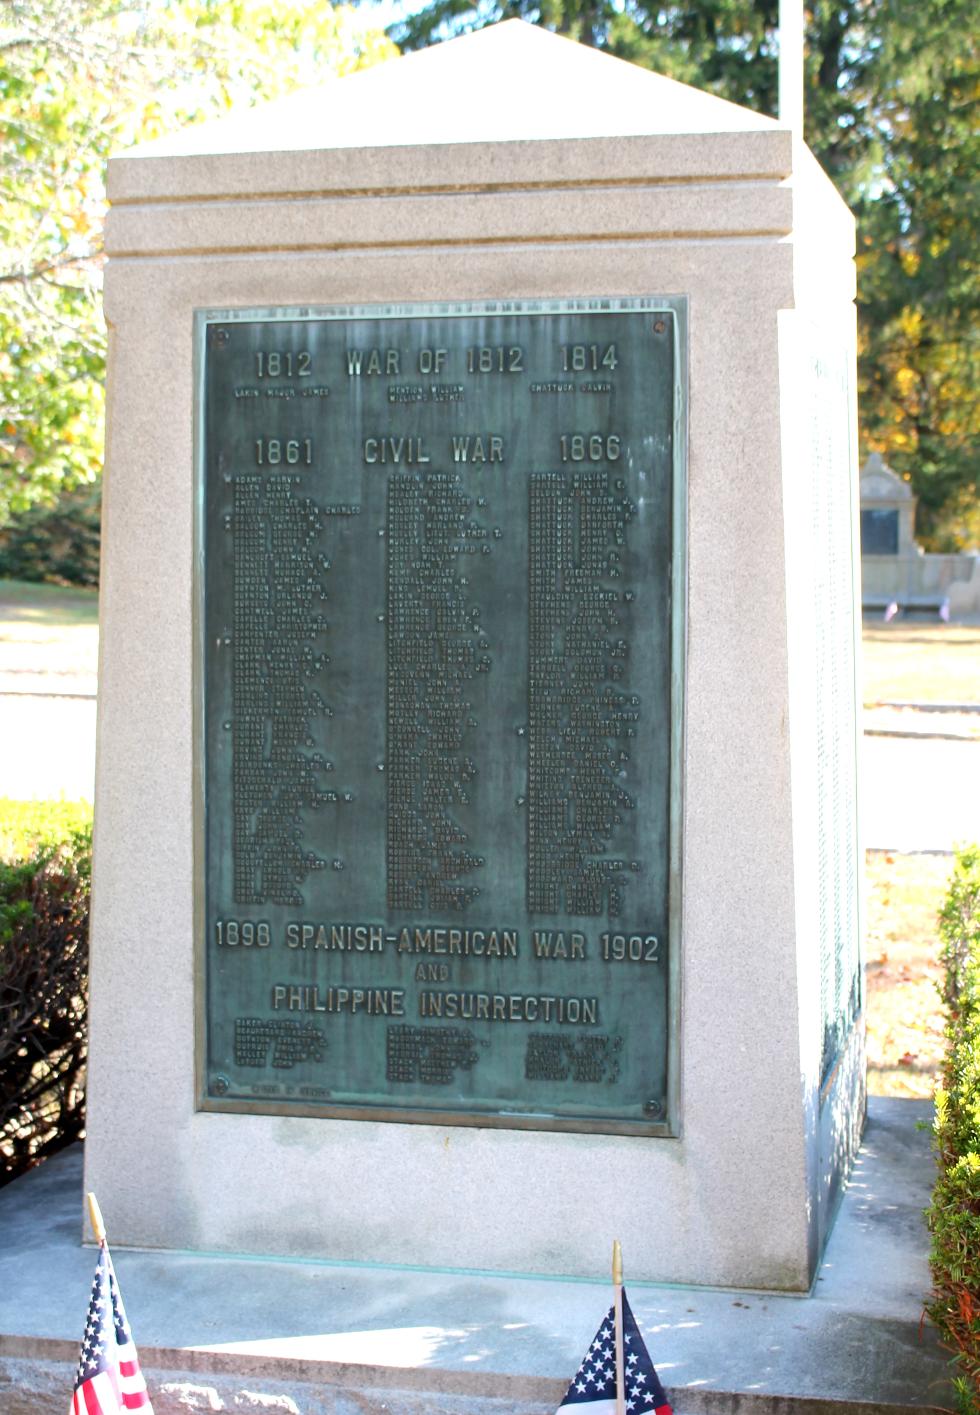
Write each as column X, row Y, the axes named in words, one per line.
column 220, row 1085
column 659, row 326
column 221, row 337
column 653, row 1109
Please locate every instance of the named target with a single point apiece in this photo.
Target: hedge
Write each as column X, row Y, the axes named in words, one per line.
column 954, row 1215
column 45, row 872
column 58, row 544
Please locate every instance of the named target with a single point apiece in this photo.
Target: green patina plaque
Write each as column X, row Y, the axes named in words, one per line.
column 440, row 625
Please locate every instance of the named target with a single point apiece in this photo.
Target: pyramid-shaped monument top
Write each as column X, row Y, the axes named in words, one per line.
column 511, row 82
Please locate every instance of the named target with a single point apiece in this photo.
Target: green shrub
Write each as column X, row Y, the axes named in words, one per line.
column 57, row 544
column 45, row 872
column 954, row 1215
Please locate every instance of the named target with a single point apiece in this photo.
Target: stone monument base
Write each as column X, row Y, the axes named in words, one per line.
column 219, row 1333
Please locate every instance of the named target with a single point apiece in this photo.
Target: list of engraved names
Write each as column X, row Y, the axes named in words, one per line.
column 438, row 729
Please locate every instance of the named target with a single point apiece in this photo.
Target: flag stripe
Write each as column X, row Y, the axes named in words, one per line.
column 108, row 1380
column 112, row 1376
column 93, row 1404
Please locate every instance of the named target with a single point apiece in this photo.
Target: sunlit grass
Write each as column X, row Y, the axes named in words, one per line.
column 915, row 662
column 50, row 607
column 48, row 631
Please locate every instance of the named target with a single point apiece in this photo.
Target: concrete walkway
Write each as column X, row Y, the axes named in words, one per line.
column 48, row 684
column 220, row 1333
column 49, row 747
column 920, row 794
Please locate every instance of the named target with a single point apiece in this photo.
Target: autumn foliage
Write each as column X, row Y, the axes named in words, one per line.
column 80, row 79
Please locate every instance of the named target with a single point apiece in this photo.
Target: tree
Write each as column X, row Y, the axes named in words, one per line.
column 919, row 278
column 77, row 79
column 729, row 47
column 51, row 350
column 891, row 113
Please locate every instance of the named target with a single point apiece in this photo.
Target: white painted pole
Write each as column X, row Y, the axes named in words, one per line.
column 791, row 36
column 617, row 1269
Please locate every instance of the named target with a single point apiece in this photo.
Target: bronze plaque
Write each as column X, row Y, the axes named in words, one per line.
column 440, row 625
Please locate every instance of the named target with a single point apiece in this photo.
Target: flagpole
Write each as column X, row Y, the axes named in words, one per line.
column 617, row 1276
column 95, row 1214
column 108, row 1378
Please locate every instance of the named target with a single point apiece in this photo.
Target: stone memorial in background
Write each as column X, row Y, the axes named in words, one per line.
column 887, row 511
column 896, row 573
column 475, row 824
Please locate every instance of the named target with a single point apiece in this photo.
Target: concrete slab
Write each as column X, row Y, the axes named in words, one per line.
column 219, row 1333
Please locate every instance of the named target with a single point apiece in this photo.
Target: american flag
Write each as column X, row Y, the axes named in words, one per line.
column 108, row 1379
column 594, row 1384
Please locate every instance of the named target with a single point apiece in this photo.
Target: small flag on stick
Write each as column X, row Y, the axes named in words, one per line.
column 595, row 1388
column 108, row 1380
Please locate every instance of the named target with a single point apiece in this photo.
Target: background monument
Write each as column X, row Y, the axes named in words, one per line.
column 896, row 573
column 476, row 828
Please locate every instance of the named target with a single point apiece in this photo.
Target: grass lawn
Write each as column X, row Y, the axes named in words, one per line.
column 910, row 662
column 47, row 633
column 48, row 607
